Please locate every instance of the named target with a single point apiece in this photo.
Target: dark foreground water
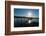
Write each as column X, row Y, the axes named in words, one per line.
column 18, row 22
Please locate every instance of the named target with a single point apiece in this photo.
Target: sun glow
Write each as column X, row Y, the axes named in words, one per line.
column 30, row 14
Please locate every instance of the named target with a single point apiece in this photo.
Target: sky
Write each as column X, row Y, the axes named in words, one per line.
column 24, row 12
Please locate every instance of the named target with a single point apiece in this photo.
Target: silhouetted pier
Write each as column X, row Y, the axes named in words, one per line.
column 26, row 17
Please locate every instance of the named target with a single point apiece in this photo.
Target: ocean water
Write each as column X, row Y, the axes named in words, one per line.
column 24, row 22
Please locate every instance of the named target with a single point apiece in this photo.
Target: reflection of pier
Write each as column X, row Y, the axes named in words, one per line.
column 26, row 22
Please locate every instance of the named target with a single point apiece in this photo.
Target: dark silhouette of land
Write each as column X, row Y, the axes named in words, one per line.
column 26, row 17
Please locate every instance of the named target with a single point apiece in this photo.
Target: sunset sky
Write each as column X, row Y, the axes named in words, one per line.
column 24, row 12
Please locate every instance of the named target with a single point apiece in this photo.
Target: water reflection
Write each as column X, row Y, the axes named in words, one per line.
column 24, row 22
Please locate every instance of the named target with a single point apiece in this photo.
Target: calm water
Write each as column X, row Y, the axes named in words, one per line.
column 24, row 22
